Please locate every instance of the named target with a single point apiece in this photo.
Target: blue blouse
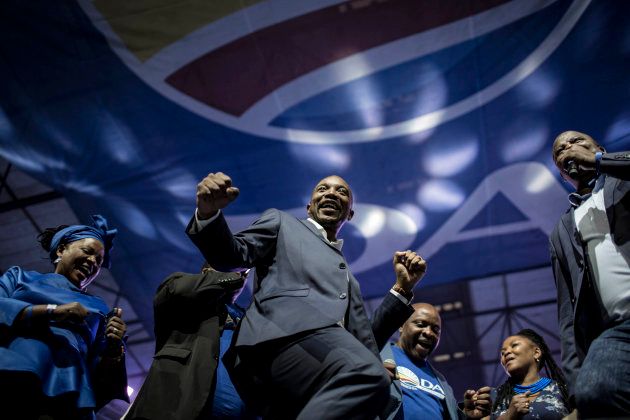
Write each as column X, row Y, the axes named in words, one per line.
column 548, row 405
column 62, row 354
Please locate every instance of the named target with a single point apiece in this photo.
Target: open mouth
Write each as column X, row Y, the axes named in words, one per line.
column 85, row 270
column 329, row 205
column 427, row 345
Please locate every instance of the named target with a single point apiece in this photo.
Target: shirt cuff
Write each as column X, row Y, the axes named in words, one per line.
column 200, row 224
column 401, row 297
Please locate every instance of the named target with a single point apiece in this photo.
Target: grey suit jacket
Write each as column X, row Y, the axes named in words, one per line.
column 302, row 282
column 579, row 313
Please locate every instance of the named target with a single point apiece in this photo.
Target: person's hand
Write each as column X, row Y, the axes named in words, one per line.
column 409, row 268
column 233, row 289
column 214, row 193
column 583, row 158
column 477, row 404
column 116, row 328
column 69, row 312
column 519, row 406
column 390, row 368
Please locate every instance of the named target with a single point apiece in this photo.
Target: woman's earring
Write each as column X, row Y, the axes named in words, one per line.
column 57, row 260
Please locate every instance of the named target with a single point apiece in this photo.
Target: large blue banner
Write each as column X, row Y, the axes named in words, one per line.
column 440, row 114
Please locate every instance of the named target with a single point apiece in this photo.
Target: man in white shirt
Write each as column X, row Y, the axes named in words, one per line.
column 590, row 251
column 305, row 348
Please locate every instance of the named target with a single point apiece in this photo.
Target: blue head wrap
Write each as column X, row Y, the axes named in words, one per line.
column 73, row 233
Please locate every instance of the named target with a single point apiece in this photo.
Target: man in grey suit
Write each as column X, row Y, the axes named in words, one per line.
column 590, row 252
column 305, row 348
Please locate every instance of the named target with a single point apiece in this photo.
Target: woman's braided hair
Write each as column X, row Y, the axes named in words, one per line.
column 45, row 238
column 505, row 391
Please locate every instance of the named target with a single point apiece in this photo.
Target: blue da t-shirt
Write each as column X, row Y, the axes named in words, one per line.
column 423, row 397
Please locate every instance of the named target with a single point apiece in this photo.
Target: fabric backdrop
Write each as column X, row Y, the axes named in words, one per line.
column 440, row 113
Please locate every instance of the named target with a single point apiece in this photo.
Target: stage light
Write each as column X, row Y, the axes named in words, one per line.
column 444, row 160
column 523, row 139
column 133, row 218
column 539, row 89
column 538, row 181
column 440, row 195
column 370, row 221
column 84, row 187
column 120, row 141
column 178, row 183
column 328, row 158
column 418, row 219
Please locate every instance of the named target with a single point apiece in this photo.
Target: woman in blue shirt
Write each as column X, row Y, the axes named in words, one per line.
column 61, row 349
column 526, row 394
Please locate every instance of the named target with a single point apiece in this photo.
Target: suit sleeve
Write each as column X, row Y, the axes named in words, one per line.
column 192, row 288
column 616, row 165
column 182, row 297
column 570, row 361
column 390, row 315
column 228, row 252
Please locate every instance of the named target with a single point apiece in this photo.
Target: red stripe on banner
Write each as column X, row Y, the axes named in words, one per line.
column 237, row 75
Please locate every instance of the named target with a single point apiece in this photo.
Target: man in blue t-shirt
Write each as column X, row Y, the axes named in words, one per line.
column 419, row 391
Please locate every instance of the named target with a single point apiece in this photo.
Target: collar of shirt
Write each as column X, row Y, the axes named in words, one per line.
column 596, row 184
column 337, row 244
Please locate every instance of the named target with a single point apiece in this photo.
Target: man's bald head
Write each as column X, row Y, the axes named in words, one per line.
column 420, row 334
column 573, row 146
column 331, row 204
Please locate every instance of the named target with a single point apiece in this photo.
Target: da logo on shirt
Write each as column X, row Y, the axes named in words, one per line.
column 410, row 380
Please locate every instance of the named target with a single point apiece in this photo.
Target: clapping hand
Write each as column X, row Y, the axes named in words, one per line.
column 519, row 406
column 477, row 404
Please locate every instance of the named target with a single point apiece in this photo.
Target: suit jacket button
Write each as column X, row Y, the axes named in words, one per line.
column 342, row 266
column 572, row 300
column 342, row 296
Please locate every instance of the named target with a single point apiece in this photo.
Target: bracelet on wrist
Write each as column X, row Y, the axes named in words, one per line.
column 50, row 309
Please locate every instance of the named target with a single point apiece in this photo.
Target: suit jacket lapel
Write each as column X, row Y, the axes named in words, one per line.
column 568, row 221
column 610, row 189
column 449, row 399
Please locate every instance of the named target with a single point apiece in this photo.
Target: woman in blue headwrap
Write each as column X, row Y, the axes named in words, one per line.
column 61, row 349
